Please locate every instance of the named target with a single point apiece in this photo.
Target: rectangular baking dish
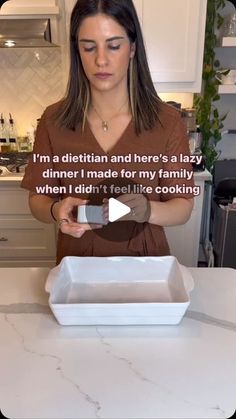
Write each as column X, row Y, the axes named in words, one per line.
column 119, row 290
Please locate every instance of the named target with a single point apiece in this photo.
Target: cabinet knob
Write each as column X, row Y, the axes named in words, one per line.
column 3, row 239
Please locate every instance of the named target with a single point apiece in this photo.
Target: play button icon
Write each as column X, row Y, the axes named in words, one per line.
column 116, row 209
column 121, row 215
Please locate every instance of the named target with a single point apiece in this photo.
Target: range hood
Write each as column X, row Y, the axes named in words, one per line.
column 25, row 33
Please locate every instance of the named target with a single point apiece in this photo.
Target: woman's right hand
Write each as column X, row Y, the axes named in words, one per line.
column 63, row 212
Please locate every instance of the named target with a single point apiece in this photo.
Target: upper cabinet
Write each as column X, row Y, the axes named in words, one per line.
column 174, row 33
column 30, row 7
column 228, row 42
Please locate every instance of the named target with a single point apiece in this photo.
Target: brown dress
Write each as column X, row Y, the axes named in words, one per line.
column 168, row 138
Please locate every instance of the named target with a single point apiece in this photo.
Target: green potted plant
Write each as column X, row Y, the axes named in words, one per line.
column 208, row 118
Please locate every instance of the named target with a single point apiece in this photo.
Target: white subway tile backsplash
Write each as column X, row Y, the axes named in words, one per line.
column 30, row 80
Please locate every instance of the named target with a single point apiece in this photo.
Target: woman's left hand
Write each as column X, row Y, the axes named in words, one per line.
column 139, row 206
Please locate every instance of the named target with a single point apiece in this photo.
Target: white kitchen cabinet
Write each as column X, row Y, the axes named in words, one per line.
column 24, row 241
column 184, row 239
column 174, row 33
column 227, row 89
column 30, row 7
column 228, row 42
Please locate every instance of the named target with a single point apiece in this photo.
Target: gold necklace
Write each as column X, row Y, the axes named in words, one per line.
column 105, row 126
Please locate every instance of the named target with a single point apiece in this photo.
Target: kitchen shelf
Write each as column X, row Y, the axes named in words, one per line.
column 227, row 89
column 227, row 41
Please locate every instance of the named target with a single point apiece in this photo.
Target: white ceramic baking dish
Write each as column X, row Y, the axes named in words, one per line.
column 119, row 290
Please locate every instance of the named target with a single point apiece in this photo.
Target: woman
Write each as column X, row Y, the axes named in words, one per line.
column 110, row 109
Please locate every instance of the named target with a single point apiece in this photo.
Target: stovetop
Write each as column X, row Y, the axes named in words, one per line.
column 13, row 163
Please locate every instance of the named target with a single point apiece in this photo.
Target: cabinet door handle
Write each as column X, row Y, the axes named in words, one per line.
column 3, row 239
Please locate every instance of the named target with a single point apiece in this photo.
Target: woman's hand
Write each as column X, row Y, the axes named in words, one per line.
column 64, row 213
column 139, row 207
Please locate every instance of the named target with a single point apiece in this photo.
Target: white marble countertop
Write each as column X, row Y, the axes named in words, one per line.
column 202, row 175
column 13, row 178
column 183, row 371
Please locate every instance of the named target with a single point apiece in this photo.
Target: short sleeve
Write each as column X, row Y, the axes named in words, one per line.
column 177, row 181
column 36, row 178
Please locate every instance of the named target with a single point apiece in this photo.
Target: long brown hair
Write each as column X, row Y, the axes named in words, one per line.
column 144, row 101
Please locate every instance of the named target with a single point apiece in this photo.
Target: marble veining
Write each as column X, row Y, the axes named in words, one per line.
column 59, row 367
column 36, row 308
column 205, row 318
column 186, row 371
column 164, row 394
column 163, row 397
column 109, row 350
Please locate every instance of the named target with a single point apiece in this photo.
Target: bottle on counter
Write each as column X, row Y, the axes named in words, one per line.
column 2, row 132
column 12, row 130
column 4, row 143
column 198, row 139
column 30, row 135
column 13, row 145
column 4, row 147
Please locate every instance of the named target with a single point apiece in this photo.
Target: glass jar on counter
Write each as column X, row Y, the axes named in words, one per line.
column 23, row 143
column 5, row 146
column 229, row 28
column 189, row 117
